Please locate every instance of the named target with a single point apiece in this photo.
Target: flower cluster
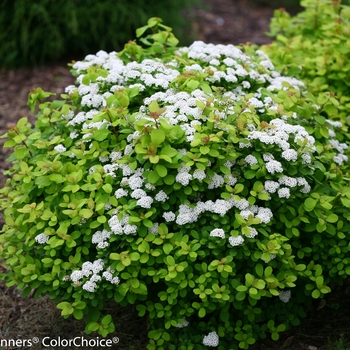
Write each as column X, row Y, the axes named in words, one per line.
column 92, row 270
column 212, row 339
column 284, row 295
column 41, row 238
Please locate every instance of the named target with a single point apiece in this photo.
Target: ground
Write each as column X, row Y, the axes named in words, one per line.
column 221, row 21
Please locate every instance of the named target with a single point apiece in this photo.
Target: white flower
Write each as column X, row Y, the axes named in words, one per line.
column 138, row 193
column 246, row 84
column 128, row 149
column 169, row 216
column 89, row 286
column 273, row 166
column 265, row 215
column 288, row 181
column 217, row 232
column 107, row 275
column 199, row 174
column 285, row 295
column 135, row 181
column 271, row 186
column 73, row 135
column 95, row 278
column 102, row 245
column 42, row 238
column 284, row 192
column 128, row 229
column 290, row 155
column 251, row 160
column 115, row 156
column 161, row 196
column 76, row 276
column 115, row 280
column 120, row 192
column 212, row 339
column 306, row 158
column 216, row 181
column 183, row 178
column 235, row 241
column 145, row 202
column 230, row 179
column 60, row 148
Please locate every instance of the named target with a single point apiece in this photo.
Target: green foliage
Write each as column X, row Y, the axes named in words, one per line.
column 35, row 32
column 196, row 183
column 339, row 344
column 315, row 46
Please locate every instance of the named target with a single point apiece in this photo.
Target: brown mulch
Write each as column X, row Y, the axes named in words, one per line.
column 221, row 21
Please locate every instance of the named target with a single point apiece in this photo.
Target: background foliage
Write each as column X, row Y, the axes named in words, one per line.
column 34, row 32
column 315, row 46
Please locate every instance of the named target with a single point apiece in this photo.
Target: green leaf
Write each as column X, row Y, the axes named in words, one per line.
column 107, row 188
column 157, row 136
column 101, row 134
column 201, row 312
column 310, row 204
column 86, row 213
column 167, row 247
column 192, row 84
column 140, row 31
column 332, row 218
column 161, row 170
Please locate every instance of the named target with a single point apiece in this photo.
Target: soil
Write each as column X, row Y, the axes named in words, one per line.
column 221, row 21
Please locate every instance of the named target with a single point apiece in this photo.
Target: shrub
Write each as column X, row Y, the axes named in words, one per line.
column 35, row 32
column 197, row 183
column 314, row 45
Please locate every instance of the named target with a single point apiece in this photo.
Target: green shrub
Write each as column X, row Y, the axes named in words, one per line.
column 314, row 45
column 197, row 183
column 35, row 32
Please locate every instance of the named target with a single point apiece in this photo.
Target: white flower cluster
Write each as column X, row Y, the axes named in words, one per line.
column 189, row 214
column 161, row 196
column 212, row 339
column 217, row 232
column 340, row 158
column 291, row 182
column 121, row 226
column 60, row 148
column 108, row 276
column 235, row 241
column 285, row 295
column 251, row 160
column 100, row 238
column 282, row 135
column 41, row 238
column 169, row 216
column 92, row 271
